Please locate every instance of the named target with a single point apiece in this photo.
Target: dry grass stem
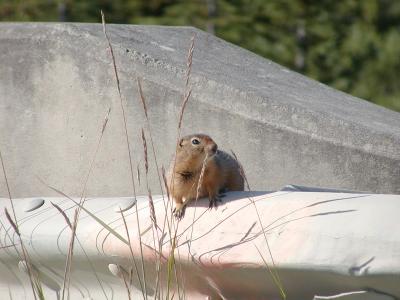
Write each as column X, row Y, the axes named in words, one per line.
column 127, row 143
column 146, row 161
column 14, row 226
column 142, row 99
column 199, row 182
column 8, row 246
column 92, row 267
column 67, row 272
column 185, row 100
column 138, row 174
column 103, row 128
column 188, row 92
column 166, row 204
column 106, row 118
column 186, row 97
column 241, row 170
column 34, row 281
column 274, row 273
column 152, row 210
column 189, row 60
column 156, row 237
column 276, row 280
column 126, row 282
column 132, row 255
column 165, row 182
column 63, row 214
column 103, row 224
column 66, row 284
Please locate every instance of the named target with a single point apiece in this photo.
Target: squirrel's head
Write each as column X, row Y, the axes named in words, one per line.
column 196, row 147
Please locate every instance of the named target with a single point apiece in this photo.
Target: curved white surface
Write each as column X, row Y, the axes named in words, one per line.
column 323, row 244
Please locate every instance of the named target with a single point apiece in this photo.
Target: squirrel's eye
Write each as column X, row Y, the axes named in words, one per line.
column 195, row 142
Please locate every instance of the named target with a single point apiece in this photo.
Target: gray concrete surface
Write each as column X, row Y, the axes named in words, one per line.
column 323, row 243
column 56, row 84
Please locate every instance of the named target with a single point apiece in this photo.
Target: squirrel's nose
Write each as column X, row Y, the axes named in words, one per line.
column 214, row 148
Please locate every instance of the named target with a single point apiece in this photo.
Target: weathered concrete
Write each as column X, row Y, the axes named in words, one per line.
column 56, row 84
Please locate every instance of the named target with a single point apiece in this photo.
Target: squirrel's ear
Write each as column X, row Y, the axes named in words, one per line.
column 180, row 143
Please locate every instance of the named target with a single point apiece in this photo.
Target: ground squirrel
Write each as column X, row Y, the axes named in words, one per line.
column 221, row 172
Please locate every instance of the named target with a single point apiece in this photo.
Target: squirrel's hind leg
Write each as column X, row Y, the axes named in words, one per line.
column 213, row 196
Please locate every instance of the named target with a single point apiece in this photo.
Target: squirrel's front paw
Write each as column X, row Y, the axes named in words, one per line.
column 179, row 211
column 214, row 201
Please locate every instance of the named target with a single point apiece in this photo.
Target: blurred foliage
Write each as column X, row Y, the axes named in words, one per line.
column 350, row 45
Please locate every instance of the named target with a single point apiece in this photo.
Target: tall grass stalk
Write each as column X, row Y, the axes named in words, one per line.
column 80, row 244
column 127, row 144
column 34, row 280
column 151, row 204
column 274, row 273
column 148, row 124
column 132, row 255
column 186, row 96
column 187, row 93
column 127, row 283
column 63, row 214
column 74, row 225
column 276, row 279
column 67, row 273
column 199, row 182
column 153, row 218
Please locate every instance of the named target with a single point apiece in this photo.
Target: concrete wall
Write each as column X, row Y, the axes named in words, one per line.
column 56, row 84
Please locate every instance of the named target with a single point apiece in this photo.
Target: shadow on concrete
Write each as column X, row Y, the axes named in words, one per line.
column 269, row 226
column 228, row 197
column 247, row 238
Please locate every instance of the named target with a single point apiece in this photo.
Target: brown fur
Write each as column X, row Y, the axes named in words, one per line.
column 221, row 172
